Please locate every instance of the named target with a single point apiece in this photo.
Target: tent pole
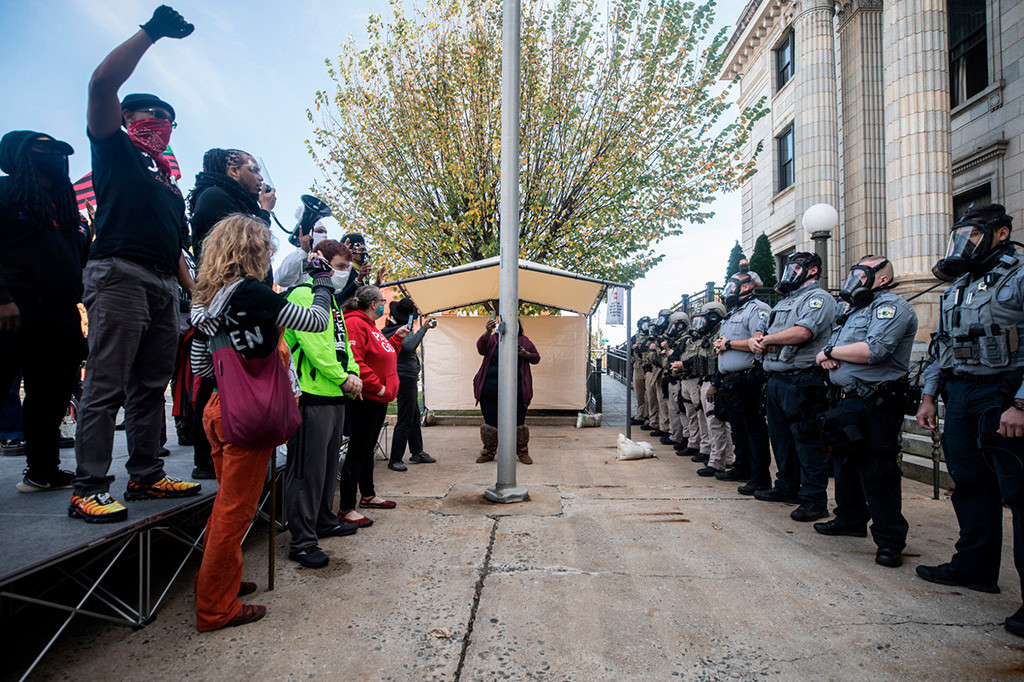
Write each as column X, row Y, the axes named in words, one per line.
column 505, row 489
column 629, row 363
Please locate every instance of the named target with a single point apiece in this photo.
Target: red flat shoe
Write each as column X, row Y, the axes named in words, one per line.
column 245, row 588
column 363, row 521
column 386, row 504
column 249, row 613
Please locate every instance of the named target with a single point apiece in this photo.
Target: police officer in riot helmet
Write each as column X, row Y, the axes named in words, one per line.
column 868, row 356
column 743, row 382
column 678, row 325
column 654, row 371
column 977, row 367
column 639, row 385
column 796, row 392
column 719, row 443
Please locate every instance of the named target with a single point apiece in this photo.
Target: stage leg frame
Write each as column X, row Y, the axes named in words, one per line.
column 138, row 616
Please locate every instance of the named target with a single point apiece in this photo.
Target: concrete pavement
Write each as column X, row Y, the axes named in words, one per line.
column 611, row 571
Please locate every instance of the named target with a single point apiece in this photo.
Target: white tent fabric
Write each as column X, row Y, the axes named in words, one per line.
column 450, row 361
column 478, row 282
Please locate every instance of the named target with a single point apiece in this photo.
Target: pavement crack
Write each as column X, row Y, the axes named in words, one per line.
column 924, row 622
column 485, row 570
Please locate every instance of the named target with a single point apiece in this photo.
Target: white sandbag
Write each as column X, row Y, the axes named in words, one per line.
column 630, row 450
column 584, row 420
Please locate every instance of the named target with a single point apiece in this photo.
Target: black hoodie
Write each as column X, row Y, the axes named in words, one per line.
column 39, row 264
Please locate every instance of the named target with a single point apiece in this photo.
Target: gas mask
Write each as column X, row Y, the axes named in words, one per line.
column 699, row 324
column 859, row 289
column 796, row 273
column 732, row 295
column 970, row 244
column 643, row 324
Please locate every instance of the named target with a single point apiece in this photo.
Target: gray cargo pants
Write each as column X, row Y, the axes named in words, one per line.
column 133, row 335
column 311, row 473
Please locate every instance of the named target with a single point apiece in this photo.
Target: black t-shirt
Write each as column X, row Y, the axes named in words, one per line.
column 140, row 212
column 250, row 319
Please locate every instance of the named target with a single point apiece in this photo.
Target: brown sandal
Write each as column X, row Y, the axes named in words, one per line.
column 249, row 613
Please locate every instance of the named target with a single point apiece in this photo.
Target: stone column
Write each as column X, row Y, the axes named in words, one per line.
column 863, row 131
column 918, row 181
column 816, row 130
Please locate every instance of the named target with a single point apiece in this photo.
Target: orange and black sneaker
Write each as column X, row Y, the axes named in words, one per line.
column 165, row 487
column 98, row 508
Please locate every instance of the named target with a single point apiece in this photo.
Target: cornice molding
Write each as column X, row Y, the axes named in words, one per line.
column 756, row 22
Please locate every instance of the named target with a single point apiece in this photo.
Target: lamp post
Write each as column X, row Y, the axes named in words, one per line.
column 819, row 220
column 505, row 489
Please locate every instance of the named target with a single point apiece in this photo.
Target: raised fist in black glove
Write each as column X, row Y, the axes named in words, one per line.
column 167, row 23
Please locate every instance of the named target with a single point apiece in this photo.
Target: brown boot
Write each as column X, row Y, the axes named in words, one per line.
column 523, row 444
column 489, row 436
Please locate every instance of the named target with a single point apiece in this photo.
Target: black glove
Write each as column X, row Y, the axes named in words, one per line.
column 318, row 267
column 166, row 23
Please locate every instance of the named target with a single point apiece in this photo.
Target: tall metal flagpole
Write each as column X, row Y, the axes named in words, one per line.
column 506, row 490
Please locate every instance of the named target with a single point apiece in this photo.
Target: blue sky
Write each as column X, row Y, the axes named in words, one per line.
column 244, row 79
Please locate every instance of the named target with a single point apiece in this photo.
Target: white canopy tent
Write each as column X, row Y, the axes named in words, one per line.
column 477, row 283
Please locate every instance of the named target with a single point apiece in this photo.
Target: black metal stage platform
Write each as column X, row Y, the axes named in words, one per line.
column 45, row 551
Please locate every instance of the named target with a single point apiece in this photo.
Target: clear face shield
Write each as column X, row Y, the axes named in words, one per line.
column 966, row 240
column 699, row 324
column 735, row 289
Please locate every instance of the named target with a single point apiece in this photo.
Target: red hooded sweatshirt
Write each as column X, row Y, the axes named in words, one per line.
column 377, row 356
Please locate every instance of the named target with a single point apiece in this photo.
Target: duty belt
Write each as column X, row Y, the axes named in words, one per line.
column 948, row 375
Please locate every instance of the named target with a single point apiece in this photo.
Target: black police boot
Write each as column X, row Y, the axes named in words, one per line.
column 732, row 475
column 636, row 422
column 750, row 488
column 808, row 512
column 775, row 495
column 708, row 472
column 667, row 440
column 886, row 556
column 646, row 427
column 837, row 527
column 1015, row 623
column 944, row 574
column 700, row 457
column 681, row 446
column 658, row 432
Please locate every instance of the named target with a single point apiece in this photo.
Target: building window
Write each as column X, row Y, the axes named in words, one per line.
column 973, row 198
column 968, row 50
column 784, row 62
column 784, row 153
column 781, row 258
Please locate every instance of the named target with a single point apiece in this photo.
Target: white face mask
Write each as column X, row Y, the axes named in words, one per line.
column 318, row 237
column 339, row 279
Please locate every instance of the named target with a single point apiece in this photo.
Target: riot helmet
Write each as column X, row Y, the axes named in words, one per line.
column 660, row 323
column 711, row 315
column 733, row 293
column 678, row 322
column 643, row 324
column 859, row 289
column 970, row 242
column 798, row 267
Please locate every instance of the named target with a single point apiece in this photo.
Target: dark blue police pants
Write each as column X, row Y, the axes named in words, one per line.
column 870, row 486
column 986, row 470
column 794, row 402
column 742, row 395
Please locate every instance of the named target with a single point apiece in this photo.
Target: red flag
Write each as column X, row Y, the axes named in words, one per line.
column 84, row 193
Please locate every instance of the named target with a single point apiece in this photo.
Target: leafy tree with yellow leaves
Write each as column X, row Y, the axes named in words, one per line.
column 625, row 133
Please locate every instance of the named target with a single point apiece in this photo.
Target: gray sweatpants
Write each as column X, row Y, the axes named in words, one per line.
column 311, row 473
column 133, row 334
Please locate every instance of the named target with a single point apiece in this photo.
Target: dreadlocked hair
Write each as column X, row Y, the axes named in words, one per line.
column 216, row 161
column 239, row 246
column 56, row 206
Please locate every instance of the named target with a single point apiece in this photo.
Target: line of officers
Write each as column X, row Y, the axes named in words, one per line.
column 824, row 384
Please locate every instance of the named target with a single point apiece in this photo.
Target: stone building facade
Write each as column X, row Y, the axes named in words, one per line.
column 898, row 113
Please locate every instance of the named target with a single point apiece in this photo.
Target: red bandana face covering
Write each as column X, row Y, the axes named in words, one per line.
column 152, row 136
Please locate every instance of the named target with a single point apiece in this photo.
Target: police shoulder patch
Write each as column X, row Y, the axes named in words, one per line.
column 762, row 314
column 816, row 302
column 885, row 312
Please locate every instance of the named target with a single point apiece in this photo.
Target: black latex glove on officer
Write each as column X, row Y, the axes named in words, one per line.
column 166, row 23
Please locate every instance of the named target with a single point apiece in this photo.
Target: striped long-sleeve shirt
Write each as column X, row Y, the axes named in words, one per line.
column 250, row 313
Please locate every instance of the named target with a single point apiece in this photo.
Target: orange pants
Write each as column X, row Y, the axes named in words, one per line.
column 240, row 473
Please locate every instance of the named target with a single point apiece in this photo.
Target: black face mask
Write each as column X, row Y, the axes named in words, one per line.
column 711, row 321
column 859, row 289
column 52, row 166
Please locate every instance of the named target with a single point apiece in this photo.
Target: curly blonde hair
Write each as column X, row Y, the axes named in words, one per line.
column 237, row 246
